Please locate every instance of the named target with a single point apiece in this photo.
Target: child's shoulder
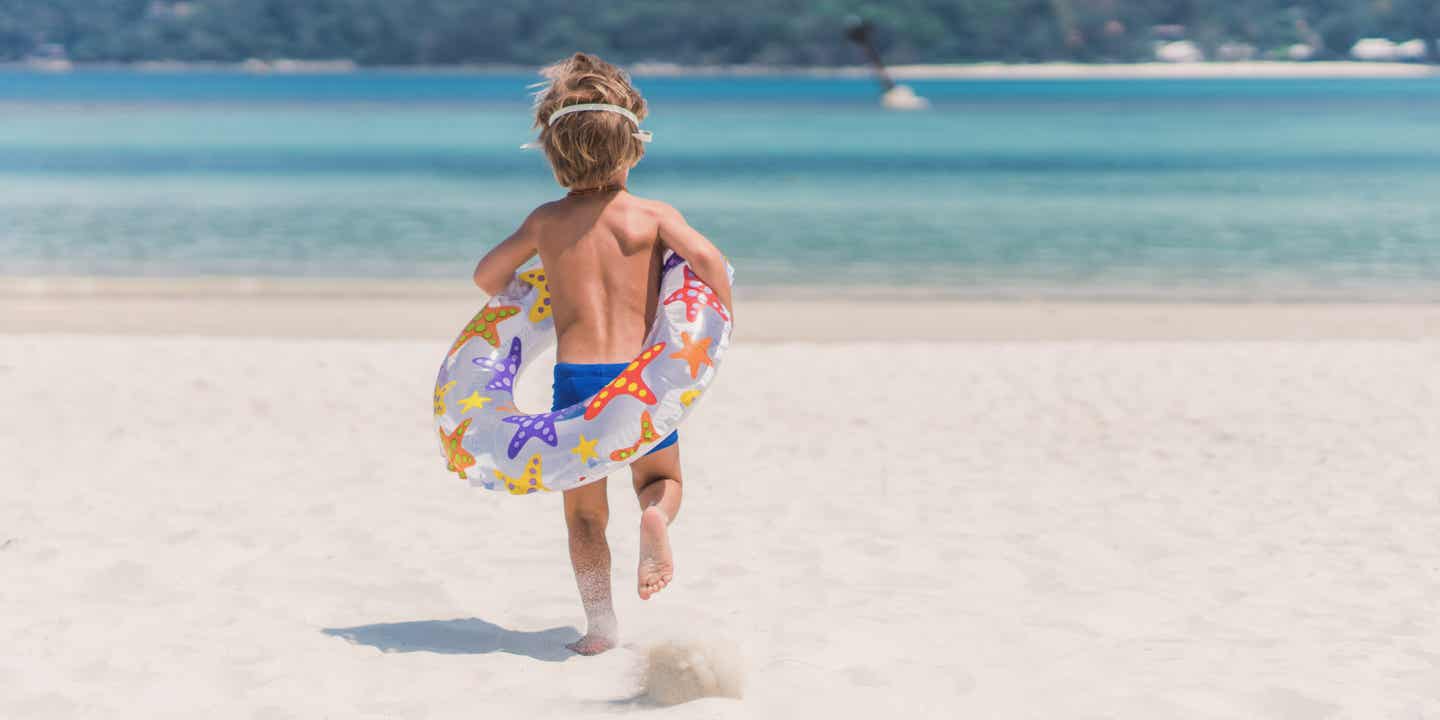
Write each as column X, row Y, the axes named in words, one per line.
column 656, row 211
column 637, row 215
column 627, row 203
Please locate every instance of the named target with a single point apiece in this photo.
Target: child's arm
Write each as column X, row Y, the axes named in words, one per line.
column 704, row 258
column 494, row 271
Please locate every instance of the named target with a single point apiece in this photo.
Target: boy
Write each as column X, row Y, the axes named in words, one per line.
column 601, row 248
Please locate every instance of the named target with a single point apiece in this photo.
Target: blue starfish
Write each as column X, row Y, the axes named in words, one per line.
column 504, row 369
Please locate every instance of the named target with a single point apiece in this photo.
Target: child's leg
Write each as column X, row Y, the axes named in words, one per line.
column 658, row 488
column 586, row 514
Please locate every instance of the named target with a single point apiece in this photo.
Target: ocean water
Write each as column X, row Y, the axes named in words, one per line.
column 1154, row 189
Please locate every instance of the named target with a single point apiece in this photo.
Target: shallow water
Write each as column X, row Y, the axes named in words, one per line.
column 1103, row 188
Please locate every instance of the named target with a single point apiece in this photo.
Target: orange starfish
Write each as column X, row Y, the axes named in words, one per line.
column 647, row 434
column 695, row 354
column 628, row 383
column 484, row 325
column 457, row 457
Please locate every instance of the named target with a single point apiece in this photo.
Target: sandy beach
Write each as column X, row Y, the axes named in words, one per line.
column 206, row 511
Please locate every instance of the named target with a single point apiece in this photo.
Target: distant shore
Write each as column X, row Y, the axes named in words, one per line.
column 928, row 71
column 1076, row 71
column 1248, row 69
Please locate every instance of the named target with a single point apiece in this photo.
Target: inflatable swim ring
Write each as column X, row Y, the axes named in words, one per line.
column 491, row 443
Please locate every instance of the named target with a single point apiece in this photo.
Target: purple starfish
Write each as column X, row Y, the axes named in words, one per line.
column 504, row 369
column 538, row 426
column 671, row 262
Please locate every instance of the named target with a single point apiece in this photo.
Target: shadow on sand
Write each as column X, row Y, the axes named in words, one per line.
column 462, row 635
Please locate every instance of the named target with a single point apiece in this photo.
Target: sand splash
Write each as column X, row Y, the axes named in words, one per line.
column 677, row 671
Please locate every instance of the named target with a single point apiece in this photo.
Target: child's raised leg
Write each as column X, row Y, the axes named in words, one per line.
column 658, row 488
column 586, row 514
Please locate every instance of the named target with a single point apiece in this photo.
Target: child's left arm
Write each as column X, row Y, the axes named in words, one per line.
column 494, row 271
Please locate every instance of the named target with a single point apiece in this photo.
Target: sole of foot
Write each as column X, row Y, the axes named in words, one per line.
column 657, row 566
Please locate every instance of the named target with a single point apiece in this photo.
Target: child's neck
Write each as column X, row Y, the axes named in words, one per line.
column 599, row 190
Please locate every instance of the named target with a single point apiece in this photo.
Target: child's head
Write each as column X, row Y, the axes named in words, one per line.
column 588, row 149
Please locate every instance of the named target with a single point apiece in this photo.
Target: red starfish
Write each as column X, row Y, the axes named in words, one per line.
column 628, row 383
column 695, row 293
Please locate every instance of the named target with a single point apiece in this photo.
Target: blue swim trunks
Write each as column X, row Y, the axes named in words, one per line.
column 576, row 381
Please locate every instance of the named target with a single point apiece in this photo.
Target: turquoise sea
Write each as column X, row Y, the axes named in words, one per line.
column 1080, row 188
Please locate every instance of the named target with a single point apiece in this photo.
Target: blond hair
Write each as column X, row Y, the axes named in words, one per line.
column 586, row 149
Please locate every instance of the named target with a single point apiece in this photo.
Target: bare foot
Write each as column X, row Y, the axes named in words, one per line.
column 656, row 565
column 592, row 644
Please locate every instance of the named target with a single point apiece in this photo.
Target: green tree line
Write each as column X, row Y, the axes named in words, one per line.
column 780, row 32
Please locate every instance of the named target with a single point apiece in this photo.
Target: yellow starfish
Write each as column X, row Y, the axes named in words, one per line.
column 536, row 279
column 695, row 354
column 476, row 401
column 440, row 391
column 688, row 397
column 586, row 449
column 529, row 480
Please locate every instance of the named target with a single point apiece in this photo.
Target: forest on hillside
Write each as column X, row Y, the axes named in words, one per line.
column 700, row 32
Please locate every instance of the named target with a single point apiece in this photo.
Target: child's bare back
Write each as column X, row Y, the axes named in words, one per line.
column 602, row 249
column 602, row 254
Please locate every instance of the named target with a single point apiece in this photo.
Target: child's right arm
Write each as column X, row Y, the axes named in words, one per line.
column 494, row 271
column 704, row 258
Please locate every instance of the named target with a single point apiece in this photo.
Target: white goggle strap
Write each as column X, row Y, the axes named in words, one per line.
column 643, row 136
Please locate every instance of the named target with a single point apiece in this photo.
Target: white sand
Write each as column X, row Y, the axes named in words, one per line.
column 194, row 527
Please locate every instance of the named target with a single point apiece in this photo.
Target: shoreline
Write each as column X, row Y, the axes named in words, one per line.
column 1248, row 69
column 456, row 289
column 305, row 308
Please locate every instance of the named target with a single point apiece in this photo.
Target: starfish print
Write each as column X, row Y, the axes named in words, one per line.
column 504, row 369
column 484, row 325
column 694, row 294
column 529, row 480
column 536, row 426
column 456, row 456
column 476, row 401
column 688, row 397
column 628, row 383
column 440, row 391
column 585, row 449
column 536, row 279
column 695, row 354
column 647, row 435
